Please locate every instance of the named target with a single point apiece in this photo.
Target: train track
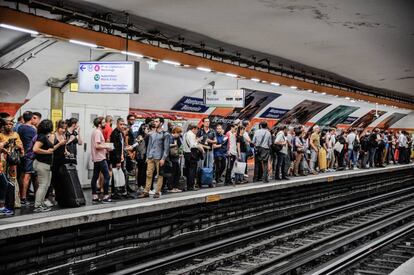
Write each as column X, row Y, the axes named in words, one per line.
column 290, row 246
column 379, row 257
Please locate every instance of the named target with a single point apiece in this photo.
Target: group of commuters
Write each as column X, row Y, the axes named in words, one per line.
column 32, row 151
column 171, row 159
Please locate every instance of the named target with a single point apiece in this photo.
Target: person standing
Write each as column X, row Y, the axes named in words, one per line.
column 157, row 152
column 220, row 153
column 298, row 150
column 207, row 138
column 59, row 158
column 14, row 145
column 262, row 140
column 314, row 148
column 73, row 138
column 372, row 147
column 231, row 152
column 27, row 133
column 117, row 155
column 282, row 154
column 43, row 149
column 98, row 153
column 352, row 153
column 174, row 156
column 190, row 143
column 402, row 147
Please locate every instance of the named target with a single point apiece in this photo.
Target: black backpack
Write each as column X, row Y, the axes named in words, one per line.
column 356, row 144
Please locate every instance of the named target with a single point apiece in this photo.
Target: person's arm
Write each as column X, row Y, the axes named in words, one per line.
column 238, row 150
column 166, row 148
column 312, row 145
column 38, row 150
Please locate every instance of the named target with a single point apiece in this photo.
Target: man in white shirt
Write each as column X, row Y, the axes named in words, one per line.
column 262, row 140
column 282, row 155
column 402, row 147
column 231, row 152
column 351, row 137
column 190, row 142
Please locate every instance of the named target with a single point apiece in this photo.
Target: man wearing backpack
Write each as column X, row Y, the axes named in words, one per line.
column 157, row 151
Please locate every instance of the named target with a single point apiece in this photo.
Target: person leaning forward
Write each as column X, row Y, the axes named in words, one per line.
column 157, row 152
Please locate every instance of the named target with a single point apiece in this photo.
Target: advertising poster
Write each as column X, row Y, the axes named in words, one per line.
column 367, row 119
column 274, row 113
column 303, row 112
column 389, row 121
column 255, row 101
column 190, row 104
column 350, row 120
column 336, row 116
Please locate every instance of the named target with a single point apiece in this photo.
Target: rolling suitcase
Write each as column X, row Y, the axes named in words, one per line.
column 69, row 191
column 206, row 176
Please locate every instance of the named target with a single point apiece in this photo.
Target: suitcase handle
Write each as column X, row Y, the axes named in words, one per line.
column 84, row 147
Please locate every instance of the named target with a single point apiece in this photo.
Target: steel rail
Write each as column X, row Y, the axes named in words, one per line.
column 179, row 258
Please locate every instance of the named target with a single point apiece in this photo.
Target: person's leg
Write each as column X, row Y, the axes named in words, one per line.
column 150, row 173
column 312, row 162
column 160, row 178
column 210, row 161
column 95, row 177
column 257, row 164
column 265, row 168
column 278, row 166
column 105, row 172
column 217, row 169
column 43, row 173
column 192, row 174
column 284, row 165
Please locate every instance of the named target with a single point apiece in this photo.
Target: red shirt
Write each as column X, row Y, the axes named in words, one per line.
column 107, row 132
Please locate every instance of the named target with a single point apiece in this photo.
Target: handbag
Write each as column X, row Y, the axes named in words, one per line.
column 13, row 158
column 167, row 169
column 239, row 167
column 119, row 177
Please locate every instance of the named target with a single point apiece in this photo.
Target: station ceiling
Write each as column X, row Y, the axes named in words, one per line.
column 371, row 42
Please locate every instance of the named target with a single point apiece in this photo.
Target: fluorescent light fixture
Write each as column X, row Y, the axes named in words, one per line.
column 264, row 81
column 347, row 98
column 132, row 54
column 293, row 87
column 171, row 62
column 231, row 75
column 310, row 91
column 83, row 43
column 204, row 69
column 353, row 101
column 18, row 29
column 324, row 93
column 274, row 84
column 185, row 65
column 255, row 79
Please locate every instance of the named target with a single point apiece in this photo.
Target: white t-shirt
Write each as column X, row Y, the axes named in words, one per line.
column 351, row 138
column 281, row 137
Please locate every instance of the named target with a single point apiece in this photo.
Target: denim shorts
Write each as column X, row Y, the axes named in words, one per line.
column 26, row 165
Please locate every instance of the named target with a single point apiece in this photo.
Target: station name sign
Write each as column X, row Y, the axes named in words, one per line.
column 110, row 77
column 224, row 98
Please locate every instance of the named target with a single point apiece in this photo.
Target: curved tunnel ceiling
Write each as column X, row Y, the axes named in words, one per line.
column 371, row 42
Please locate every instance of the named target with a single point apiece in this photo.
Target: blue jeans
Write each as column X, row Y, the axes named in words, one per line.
column 240, row 177
column 100, row 166
column 371, row 156
column 352, row 156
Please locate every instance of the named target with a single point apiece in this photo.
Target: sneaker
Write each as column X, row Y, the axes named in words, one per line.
column 25, row 202
column 151, row 192
column 107, row 199
column 42, row 208
column 6, row 212
column 48, row 203
column 156, row 196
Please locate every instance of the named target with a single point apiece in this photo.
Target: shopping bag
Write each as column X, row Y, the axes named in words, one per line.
column 119, row 177
column 239, row 167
